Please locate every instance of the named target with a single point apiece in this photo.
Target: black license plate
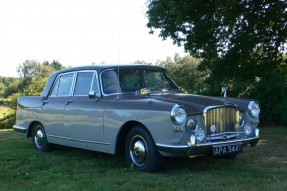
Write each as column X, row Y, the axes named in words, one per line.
column 222, row 150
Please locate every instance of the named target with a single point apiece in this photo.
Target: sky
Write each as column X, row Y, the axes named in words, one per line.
column 78, row 32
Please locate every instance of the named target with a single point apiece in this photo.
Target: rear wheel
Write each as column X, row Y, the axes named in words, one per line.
column 141, row 152
column 39, row 139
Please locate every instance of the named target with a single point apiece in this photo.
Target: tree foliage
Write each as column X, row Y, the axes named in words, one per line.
column 242, row 43
column 184, row 71
column 33, row 77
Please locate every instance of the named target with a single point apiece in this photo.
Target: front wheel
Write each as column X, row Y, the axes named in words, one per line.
column 141, row 152
column 39, row 139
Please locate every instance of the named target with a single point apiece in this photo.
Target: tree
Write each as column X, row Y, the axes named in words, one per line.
column 184, row 70
column 142, row 62
column 238, row 40
column 34, row 75
column 241, row 42
column 54, row 64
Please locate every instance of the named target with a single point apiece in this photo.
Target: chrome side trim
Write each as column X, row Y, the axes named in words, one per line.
column 80, row 140
column 19, row 128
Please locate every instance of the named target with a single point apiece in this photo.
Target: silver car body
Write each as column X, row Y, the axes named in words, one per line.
column 101, row 120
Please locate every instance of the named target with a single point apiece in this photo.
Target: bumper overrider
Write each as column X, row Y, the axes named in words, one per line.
column 202, row 148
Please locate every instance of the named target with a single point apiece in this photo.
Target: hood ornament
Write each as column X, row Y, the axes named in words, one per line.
column 224, row 91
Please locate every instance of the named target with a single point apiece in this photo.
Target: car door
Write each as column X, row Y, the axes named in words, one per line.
column 83, row 116
column 54, row 105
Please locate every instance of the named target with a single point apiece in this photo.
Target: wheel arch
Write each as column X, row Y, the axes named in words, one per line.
column 30, row 128
column 120, row 143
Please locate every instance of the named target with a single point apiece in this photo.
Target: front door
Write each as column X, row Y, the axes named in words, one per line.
column 83, row 116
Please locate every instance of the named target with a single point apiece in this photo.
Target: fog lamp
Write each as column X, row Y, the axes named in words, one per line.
column 212, row 128
column 237, row 126
column 241, row 120
column 191, row 125
column 247, row 129
column 199, row 134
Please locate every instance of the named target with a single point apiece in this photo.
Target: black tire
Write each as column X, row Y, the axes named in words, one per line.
column 39, row 139
column 141, row 152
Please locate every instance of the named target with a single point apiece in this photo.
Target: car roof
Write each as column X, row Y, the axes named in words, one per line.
column 101, row 67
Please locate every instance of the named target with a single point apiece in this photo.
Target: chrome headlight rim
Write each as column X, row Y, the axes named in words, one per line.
column 254, row 109
column 178, row 114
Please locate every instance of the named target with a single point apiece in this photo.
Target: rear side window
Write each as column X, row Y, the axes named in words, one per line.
column 63, row 85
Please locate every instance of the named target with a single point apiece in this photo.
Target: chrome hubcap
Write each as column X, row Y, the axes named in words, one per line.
column 39, row 138
column 138, row 150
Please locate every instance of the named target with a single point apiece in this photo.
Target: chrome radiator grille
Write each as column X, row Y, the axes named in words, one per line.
column 223, row 118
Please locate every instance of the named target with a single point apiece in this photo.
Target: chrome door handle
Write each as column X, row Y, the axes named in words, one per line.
column 67, row 102
column 44, row 102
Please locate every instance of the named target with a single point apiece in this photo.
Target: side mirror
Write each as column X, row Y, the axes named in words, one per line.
column 93, row 95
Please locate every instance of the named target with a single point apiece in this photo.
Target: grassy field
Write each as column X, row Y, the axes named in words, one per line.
column 22, row 168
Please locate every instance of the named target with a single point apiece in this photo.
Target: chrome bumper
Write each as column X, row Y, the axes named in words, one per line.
column 19, row 128
column 189, row 150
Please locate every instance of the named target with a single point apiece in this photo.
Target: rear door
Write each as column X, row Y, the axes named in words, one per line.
column 54, row 104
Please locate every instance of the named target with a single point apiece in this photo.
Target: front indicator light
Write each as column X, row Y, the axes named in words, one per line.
column 257, row 132
column 191, row 140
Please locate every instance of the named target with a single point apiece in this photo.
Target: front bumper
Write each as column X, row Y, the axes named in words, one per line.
column 196, row 149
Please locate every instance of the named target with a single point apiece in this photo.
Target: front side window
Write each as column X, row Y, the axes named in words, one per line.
column 83, row 83
column 86, row 82
column 63, row 85
column 110, row 82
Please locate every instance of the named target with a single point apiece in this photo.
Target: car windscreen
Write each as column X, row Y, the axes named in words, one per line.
column 132, row 80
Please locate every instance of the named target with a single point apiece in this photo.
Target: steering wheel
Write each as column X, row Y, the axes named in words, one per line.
column 106, row 87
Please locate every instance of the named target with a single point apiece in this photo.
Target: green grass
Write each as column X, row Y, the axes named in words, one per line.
column 263, row 167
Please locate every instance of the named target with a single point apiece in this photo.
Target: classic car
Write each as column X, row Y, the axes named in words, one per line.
column 137, row 110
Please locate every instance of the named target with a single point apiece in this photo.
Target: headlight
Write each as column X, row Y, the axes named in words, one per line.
column 178, row 115
column 254, row 109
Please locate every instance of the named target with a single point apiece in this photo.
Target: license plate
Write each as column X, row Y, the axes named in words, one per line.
column 222, row 150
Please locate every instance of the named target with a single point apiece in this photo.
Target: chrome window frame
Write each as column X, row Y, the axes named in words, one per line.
column 55, row 81
column 101, row 83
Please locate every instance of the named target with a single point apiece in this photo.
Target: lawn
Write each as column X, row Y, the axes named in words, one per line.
column 263, row 167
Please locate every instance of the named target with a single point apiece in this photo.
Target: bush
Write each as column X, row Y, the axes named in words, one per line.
column 271, row 93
